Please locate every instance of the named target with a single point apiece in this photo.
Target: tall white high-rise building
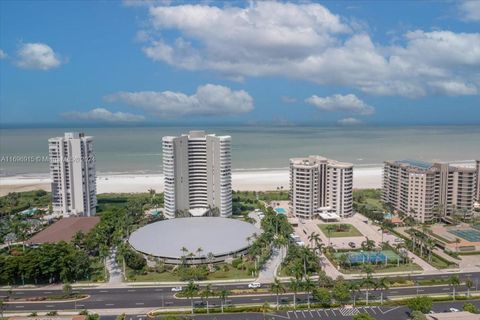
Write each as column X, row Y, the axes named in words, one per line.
column 429, row 191
column 197, row 170
column 318, row 184
column 72, row 170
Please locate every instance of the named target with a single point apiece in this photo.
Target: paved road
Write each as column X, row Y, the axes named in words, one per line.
column 151, row 297
column 380, row 313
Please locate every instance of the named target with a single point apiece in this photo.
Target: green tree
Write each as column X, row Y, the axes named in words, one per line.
column 354, row 287
column 363, row 316
column 67, row 289
column 323, row 296
column 383, row 284
column 207, row 293
column 308, row 286
column 223, row 294
column 420, row 303
column 190, row 291
column 368, row 281
column 277, row 288
column 295, row 285
column 469, row 285
column 121, row 317
column 470, row 307
column 454, row 281
column 341, row 292
column 418, row 315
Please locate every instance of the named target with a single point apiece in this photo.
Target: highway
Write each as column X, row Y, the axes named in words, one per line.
column 157, row 296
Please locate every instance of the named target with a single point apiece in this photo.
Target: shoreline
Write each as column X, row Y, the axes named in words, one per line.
column 253, row 180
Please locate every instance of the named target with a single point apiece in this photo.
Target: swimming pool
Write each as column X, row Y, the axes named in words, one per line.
column 471, row 235
column 280, row 210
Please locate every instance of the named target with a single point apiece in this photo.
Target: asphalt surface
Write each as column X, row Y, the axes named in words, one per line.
column 156, row 296
column 380, row 313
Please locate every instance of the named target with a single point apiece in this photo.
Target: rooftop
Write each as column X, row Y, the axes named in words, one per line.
column 219, row 236
column 416, row 163
column 64, row 230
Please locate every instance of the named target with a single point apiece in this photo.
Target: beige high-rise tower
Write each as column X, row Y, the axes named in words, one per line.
column 319, row 184
column 197, row 170
column 428, row 191
column 73, row 174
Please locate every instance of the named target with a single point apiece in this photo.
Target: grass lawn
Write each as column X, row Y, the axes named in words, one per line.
column 390, row 268
column 172, row 277
column 351, row 232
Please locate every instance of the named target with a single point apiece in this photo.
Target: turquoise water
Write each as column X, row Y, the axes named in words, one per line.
column 280, row 210
column 139, row 150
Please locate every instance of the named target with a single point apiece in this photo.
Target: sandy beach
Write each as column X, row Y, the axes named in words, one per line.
column 241, row 180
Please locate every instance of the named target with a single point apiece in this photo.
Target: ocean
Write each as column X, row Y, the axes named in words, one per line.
column 138, row 150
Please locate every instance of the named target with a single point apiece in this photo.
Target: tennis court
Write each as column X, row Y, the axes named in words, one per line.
column 471, row 235
column 357, row 257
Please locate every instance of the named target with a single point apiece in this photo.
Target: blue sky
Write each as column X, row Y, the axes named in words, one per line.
column 138, row 62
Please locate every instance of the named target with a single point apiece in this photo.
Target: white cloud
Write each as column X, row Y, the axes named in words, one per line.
column 337, row 102
column 208, row 100
column 307, row 41
column 103, row 115
column 349, row 121
column 288, row 100
column 3, row 55
column 470, row 10
column 37, row 56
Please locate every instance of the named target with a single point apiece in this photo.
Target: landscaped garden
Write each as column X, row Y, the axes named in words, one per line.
column 339, row 230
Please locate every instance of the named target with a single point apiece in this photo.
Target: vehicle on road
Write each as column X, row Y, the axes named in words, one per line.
column 352, row 244
column 254, row 285
column 453, row 310
column 177, row 289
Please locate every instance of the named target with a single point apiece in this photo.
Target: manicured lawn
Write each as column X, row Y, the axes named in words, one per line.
column 350, row 232
column 390, row 268
column 172, row 277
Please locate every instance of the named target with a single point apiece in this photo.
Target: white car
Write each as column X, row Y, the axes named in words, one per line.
column 254, row 285
column 177, row 289
column 454, row 310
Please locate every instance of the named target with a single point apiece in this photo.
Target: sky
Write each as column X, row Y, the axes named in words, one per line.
column 283, row 63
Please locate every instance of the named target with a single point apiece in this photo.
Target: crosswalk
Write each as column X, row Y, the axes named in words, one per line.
column 335, row 313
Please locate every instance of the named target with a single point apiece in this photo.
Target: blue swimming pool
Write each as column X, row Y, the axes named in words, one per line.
column 280, row 210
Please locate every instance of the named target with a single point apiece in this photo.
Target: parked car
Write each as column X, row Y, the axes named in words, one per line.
column 177, row 289
column 254, row 285
column 453, row 310
column 352, row 244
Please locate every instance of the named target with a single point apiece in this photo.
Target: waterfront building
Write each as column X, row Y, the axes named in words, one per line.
column 429, row 191
column 320, row 185
column 73, row 174
column 197, row 173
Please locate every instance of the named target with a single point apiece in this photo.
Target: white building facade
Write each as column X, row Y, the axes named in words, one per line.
column 318, row 184
column 197, row 173
column 73, row 174
column 429, row 191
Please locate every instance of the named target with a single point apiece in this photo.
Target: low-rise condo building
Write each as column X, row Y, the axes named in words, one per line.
column 197, row 170
column 429, row 191
column 73, row 174
column 318, row 185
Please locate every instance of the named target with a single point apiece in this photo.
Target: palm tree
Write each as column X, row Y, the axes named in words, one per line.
column 295, row 285
column 190, row 291
column 308, row 286
column 330, row 228
column 207, row 293
column 368, row 282
column 469, row 285
column 354, row 288
column 223, row 294
column 383, row 284
column 277, row 288
column 454, row 281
